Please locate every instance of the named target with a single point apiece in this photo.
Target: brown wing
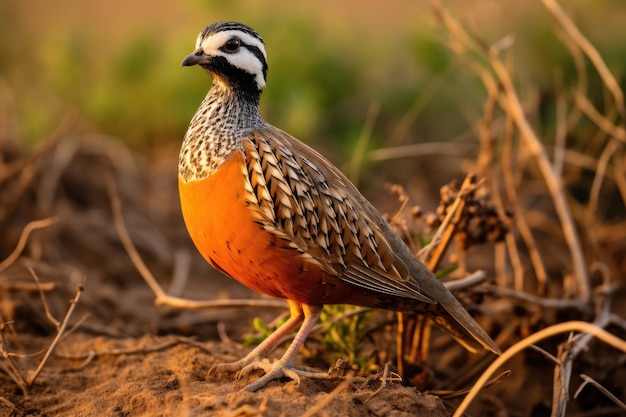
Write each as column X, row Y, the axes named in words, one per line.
column 306, row 201
column 304, row 198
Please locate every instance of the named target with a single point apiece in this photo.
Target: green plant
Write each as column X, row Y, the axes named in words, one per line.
column 347, row 337
column 263, row 330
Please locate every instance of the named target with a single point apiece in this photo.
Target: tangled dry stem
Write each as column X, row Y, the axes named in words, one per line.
column 500, row 87
column 26, row 381
column 567, row 327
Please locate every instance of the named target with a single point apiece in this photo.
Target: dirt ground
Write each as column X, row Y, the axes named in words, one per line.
column 175, row 381
column 120, row 355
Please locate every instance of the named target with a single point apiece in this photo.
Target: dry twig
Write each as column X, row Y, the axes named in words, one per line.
column 592, row 53
column 384, row 379
column 26, row 287
column 11, row 368
column 541, row 301
column 570, row 350
column 57, row 338
column 7, row 403
column 433, row 252
column 43, row 299
column 422, row 149
column 590, row 381
column 608, row 127
column 566, row 327
column 21, row 244
column 447, row 394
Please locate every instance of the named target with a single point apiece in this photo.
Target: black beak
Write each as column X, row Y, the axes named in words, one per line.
column 197, row 57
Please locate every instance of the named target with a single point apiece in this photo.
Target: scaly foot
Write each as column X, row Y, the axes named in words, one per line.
column 276, row 370
column 285, row 365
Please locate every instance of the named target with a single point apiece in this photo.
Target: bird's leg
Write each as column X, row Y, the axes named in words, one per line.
column 259, row 352
column 285, row 365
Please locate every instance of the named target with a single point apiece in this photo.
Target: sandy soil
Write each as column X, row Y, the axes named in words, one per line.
column 175, row 381
column 144, row 363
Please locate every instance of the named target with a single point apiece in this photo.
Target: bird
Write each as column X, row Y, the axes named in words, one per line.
column 265, row 209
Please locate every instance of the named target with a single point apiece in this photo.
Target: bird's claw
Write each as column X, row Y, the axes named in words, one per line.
column 278, row 369
column 234, row 366
column 273, row 370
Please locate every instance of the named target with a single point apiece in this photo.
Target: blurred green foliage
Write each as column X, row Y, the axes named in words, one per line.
column 320, row 85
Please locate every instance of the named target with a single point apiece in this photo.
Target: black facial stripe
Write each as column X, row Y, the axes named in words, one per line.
column 242, row 79
column 255, row 51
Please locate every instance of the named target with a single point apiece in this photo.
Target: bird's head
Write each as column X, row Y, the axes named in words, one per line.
column 232, row 53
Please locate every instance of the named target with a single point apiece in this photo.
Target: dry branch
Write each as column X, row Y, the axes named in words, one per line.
column 386, row 377
column 21, row 244
column 57, row 338
column 447, row 394
column 26, row 287
column 11, row 368
column 554, row 183
column 24, row 382
column 7, row 403
column 590, row 381
column 541, row 301
column 434, row 251
column 608, row 127
column 592, row 53
column 570, row 350
column 42, row 296
column 566, row 327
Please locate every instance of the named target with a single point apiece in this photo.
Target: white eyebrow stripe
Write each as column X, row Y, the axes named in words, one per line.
column 215, row 41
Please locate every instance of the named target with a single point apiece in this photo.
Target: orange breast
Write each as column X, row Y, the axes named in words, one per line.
column 223, row 229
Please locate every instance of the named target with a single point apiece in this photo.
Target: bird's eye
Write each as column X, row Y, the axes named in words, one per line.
column 232, row 45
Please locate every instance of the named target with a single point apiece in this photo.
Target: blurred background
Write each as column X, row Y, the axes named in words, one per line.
column 118, row 64
column 91, row 90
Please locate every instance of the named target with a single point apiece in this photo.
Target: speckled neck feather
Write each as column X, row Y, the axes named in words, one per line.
column 223, row 118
